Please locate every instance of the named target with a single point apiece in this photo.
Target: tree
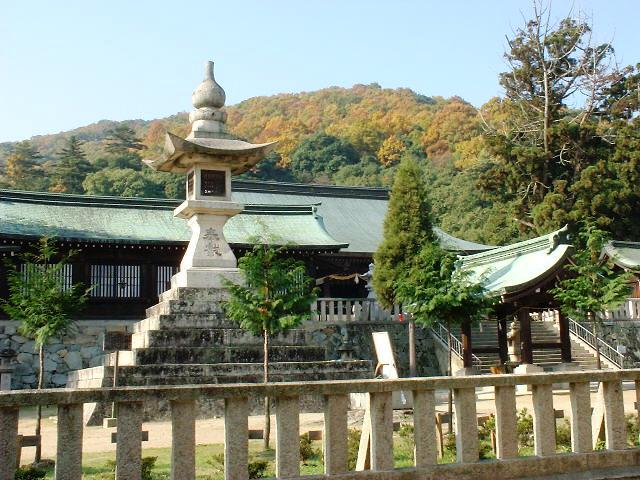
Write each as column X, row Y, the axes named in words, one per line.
column 23, row 170
column 71, row 169
column 434, row 289
column 122, row 139
column 40, row 301
column 321, row 154
column 593, row 283
column 276, row 296
column 123, row 182
column 558, row 87
column 407, row 228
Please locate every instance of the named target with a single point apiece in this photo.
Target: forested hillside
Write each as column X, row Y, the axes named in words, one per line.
column 562, row 145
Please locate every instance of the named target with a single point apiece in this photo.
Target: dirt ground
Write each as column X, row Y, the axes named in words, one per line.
column 210, row 431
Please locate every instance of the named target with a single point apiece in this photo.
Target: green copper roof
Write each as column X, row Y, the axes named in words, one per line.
column 304, row 215
column 624, row 254
column 353, row 214
column 141, row 220
column 518, row 266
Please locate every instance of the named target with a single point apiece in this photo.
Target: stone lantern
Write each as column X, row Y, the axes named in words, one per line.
column 209, row 156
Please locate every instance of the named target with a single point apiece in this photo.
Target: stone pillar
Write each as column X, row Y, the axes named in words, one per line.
column 183, row 439
column 581, row 441
column 381, row 431
column 614, row 422
column 336, row 454
column 129, row 441
column 69, row 445
column 424, row 428
column 287, row 437
column 544, row 420
column 466, row 425
column 506, row 428
column 236, row 435
column 8, row 442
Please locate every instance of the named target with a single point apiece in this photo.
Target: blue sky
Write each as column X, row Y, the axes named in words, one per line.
column 70, row 63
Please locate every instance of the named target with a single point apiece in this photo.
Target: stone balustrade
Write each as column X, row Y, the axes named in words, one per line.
column 352, row 310
column 236, row 397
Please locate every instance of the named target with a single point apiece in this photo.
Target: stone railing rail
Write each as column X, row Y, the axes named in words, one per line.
column 130, row 401
column 352, row 310
column 628, row 310
column 587, row 336
column 442, row 335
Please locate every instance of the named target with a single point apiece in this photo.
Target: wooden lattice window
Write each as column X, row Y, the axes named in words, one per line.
column 163, row 277
column 65, row 273
column 115, row 281
column 212, row 183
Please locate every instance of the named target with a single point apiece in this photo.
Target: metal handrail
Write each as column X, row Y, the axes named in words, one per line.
column 443, row 334
column 588, row 337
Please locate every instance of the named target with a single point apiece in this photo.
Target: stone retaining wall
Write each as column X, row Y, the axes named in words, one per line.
column 81, row 349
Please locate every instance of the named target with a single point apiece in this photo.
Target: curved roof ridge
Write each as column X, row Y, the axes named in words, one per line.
column 547, row 242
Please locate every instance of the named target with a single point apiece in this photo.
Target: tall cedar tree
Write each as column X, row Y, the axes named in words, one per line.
column 594, row 283
column 40, row 302
column 276, row 296
column 407, row 228
column 71, row 169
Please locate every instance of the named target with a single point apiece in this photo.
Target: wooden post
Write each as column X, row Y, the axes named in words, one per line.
column 412, row 347
column 565, row 340
column 467, row 350
column 525, row 335
column 502, row 339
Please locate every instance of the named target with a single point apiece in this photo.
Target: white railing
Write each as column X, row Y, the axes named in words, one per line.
column 629, row 310
column 443, row 335
column 588, row 337
column 353, row 310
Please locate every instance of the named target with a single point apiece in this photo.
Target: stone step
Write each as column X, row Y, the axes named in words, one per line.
column 192, row 295
column 177, row 306
column 166, row 322
column 210, row 337
column 224, row 354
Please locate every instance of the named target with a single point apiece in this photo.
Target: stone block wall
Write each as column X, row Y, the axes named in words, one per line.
column 80, row 349
column 359, row 333
column 625, row 333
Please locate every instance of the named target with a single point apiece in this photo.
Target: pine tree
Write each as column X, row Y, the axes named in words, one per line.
column 407, row 227
column 71, row 169
column 123, row 139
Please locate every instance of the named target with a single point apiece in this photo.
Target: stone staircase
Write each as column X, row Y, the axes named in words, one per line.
column 186, row 339
column 486, row 335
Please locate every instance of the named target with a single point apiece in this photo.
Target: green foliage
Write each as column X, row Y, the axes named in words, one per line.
column 276, row 295
column 124, row 182
column 434, row 290
column 593, row 284
column 407, row 228
column 633, row 429
column 524, row 425
column 29, row 472
column 321, row 154
column 258, row 468
column 353, row 444
column 307, row 452
column 39, row 301
column 147, row 466
column 563, row 436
